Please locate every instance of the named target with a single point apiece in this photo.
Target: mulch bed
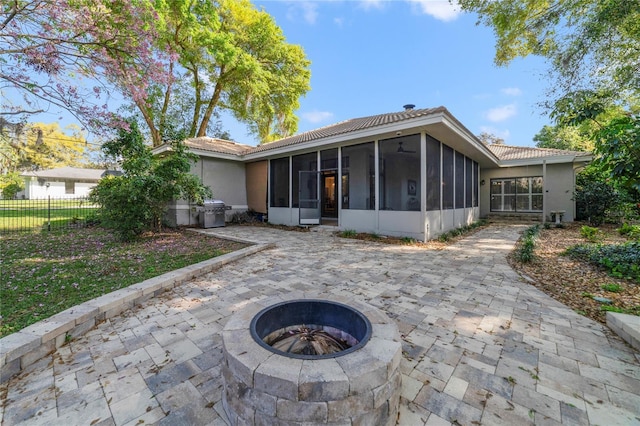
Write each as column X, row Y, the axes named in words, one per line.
column 573, row 282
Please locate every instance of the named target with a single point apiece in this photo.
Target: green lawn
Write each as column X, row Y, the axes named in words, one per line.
column 30, row 214
column 47, row 272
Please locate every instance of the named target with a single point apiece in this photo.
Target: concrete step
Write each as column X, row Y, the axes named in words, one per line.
column 626, row 326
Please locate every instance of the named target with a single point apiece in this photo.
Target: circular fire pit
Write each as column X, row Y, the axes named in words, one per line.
column 356, row 385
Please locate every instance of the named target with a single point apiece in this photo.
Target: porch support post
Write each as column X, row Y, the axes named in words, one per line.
column 423, row 186
column 544, row 191
column 376, row 155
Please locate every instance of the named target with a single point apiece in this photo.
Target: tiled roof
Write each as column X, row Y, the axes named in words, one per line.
column 349, row 126
column 75, row 173
column 217, row 145
column 506, row 152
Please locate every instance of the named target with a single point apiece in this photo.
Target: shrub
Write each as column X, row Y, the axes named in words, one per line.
column 10, row 184
column 525, row 251
column 613, row 288
column 590, row 234
column 621, row 260
column 348, row 233
column 136, row 201
column 594, row 197
column 631, row 231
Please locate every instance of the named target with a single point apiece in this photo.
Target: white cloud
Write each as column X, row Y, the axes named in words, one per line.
column 308, row 10
column 371, row 4
column 502, row 134
column 501, row 113
column 512, row 91
column 338, row 21
column 442, row 10
column 317, row 116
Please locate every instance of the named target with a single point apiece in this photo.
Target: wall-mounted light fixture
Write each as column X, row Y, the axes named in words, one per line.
column 482, row 182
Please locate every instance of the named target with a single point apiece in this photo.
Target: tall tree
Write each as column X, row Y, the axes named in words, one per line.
column 593, row 49
column 490, row 139
column 232, row 57
column 68, row 53
column 563, row 137
column 46, row 146
column 590, row 44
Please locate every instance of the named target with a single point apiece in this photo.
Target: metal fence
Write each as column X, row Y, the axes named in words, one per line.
column 44, row 213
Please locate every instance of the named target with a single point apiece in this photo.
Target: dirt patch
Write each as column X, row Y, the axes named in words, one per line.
column 573, row 282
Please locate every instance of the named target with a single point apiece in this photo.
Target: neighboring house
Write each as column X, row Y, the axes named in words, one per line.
column 64, row 182
column 415, row 173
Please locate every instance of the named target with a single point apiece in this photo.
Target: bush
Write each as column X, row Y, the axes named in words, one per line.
column 631, row 231
column 595, row 197
column 136, row 201
column 525, row 251
column 590, row 234
column 621, row 260
column 10, row 184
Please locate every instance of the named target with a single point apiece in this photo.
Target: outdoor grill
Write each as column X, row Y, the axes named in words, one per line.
column 212, row 214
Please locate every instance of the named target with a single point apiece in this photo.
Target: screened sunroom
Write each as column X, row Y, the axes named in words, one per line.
column 409, row 183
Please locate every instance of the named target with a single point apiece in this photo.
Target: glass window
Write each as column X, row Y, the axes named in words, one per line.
column 305, row 162
column 468, row 178
column 433, row 173
column 329, row 159
column 358, row 177
column 447, row 177
column 459, row 180
column 522, row 194
column 69, row 187
column 279, row 182
column 400, row 178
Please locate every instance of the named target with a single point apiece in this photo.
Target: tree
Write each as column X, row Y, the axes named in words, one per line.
column 136, row 201
column 569, row 138
column 490, row 139
column 47, row 146
column 229, row 56
column 50, row 50
column 593, row 48
column 10, row 184
column 590, row 44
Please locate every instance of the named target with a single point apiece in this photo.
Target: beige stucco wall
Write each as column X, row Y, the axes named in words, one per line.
column 559, row 184
column 226, row 178
column 257, row 186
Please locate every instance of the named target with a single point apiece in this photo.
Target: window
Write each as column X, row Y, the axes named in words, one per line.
column 447, row 177
column 522, row 194
column 69, row 187
column 279, row 182
column 358, row 177
column 304, row 162
column 400, row 173
column 459, row 180
column 433, row 173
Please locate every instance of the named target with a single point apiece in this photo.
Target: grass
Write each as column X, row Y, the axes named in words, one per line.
column 48, row 272
column 29, row 214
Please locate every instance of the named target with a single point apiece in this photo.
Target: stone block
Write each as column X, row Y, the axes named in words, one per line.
column 9, row 370
column 49, row 329
column 383, row 393
column 17, row 344
column 322, row 380
column 301, row 411
column 37, row 354
column 351, row 406
column 278, row 376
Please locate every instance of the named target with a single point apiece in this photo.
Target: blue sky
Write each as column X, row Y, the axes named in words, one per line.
column 373, row 57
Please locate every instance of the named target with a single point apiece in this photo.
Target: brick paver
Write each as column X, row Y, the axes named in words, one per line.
column 480, row 345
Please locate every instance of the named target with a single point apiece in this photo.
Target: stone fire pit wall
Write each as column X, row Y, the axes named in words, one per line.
column 265, row 388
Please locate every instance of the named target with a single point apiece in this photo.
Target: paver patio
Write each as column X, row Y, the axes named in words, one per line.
column 481, row 346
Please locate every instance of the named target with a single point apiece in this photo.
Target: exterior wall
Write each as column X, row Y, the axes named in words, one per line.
column 558, row 188
column 257, row 186
column 227, row 181
column 57, row 189
column 438, row 222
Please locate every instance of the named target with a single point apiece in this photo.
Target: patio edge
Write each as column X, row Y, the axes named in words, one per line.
column 29, row 345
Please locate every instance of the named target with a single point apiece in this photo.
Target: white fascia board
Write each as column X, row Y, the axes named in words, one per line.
column 371, row 134
column 470, row 138
column 558, row 159
column 198, row 152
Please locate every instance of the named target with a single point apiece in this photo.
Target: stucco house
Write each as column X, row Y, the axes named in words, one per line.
column 415, row 173
column 63, row 182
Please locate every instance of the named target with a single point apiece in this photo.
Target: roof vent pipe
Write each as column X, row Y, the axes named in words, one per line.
column 408, row 107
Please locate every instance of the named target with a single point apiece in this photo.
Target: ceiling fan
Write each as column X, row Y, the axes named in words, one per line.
column 404, row 151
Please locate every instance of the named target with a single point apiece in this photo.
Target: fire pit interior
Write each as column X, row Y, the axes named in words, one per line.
column 354, row 380
column 311, row 329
